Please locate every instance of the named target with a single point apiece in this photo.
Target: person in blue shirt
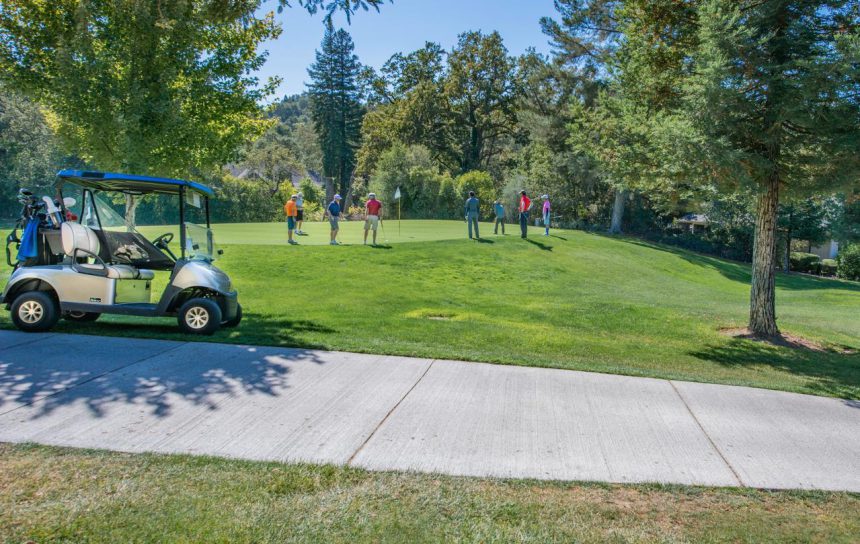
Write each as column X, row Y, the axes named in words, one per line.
column 472, row 214
column 499, row 208
column 333, row 211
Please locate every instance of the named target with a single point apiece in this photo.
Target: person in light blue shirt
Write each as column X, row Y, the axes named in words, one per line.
column 499, row 208
column 472, row 214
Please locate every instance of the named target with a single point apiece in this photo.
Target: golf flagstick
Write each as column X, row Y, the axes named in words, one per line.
column 397, row 198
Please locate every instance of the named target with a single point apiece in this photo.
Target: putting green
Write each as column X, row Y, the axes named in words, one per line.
column 351, row 232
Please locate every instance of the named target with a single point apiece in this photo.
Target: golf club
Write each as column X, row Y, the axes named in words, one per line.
column 385, row 236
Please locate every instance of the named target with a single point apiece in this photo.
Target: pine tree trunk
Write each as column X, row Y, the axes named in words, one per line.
column 762, row 294
column 618, row 211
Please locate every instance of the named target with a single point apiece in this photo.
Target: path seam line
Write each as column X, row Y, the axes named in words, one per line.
column 704, row 432
column 88, row 380
column 388, row 415
column 35, row 338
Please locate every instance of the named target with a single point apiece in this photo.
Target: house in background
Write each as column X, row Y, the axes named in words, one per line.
column 694, row 220
column 827, row 250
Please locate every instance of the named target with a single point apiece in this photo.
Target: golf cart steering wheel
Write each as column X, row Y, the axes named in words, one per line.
column 162, row 241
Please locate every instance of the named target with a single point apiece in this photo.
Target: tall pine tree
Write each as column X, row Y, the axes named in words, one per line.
column 336, row 106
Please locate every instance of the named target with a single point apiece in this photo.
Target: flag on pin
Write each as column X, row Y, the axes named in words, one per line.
column 397, row 194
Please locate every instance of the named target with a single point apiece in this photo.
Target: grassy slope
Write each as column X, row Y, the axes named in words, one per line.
column 52, row 494
column 574, row 300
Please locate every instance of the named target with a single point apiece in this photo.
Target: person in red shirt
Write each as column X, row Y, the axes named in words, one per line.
column 372, row 216
column 524, row 207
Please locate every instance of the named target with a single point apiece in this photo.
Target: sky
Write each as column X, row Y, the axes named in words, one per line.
column 402, row 26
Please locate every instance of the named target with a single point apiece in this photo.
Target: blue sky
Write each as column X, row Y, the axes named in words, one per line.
column 401, row 27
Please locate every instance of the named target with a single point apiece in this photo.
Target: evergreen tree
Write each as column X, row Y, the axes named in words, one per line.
column 772, row 103
column 336, row 106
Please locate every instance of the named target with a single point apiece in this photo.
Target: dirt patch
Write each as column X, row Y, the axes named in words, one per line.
column 785, row 340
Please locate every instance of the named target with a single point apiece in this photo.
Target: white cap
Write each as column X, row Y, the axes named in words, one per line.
column 337, row 197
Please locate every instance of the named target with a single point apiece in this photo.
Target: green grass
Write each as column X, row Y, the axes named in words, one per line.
column 64, row 495
column 573, row 300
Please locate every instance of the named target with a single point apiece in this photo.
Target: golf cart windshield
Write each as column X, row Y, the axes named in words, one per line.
column 119, row 240
column 199, row 243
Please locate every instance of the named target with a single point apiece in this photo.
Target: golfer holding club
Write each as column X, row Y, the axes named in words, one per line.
column 291, row 211
column 372, row 216
column 333, row 211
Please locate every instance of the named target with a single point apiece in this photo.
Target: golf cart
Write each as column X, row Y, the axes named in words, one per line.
column 101, row 264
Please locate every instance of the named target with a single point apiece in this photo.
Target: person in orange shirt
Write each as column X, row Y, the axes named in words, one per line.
column 292, row 211
column 524, row 208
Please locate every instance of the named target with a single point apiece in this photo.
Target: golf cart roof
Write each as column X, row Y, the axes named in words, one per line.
column 111, row 181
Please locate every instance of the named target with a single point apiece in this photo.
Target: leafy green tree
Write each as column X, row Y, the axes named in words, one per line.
column 148, row 87
column 271, row 161
column 480, row 93
column 29, row 153
column 485, row 189
column 411, row 168
column 337, row 110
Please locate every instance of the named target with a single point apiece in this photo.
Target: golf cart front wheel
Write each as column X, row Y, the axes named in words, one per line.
column 236, row 320
column 81, row 317
column 35, row 311
column 199, row 316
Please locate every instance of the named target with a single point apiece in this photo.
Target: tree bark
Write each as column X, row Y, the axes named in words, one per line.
column 130, row 211
column 618, row 211
column 762, row 294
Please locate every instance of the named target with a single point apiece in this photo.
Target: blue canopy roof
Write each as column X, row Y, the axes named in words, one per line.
column 111, row 181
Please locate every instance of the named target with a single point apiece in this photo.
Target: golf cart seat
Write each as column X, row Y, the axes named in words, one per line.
column 81, row 241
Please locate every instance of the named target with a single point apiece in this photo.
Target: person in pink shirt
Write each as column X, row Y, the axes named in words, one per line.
column 546, row 209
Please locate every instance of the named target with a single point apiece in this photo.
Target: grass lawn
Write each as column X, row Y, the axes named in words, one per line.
column 572, row 300
column 53, row 495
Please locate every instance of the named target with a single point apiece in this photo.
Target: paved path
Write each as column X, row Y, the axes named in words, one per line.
column 395, row 413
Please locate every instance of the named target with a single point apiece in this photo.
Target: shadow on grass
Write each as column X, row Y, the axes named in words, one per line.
column 485, row 241
column 539, row 244
column 557, row 236
column 381, row 246
column 156, row 376
column 739, row 271
column 829, row 373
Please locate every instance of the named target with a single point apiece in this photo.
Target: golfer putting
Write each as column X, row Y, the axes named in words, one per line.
column 333, row 211
column 372, row 216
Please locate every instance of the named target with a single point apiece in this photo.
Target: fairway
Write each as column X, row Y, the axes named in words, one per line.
column 572, row 300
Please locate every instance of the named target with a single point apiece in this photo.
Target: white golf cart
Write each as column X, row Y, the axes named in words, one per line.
column 103, row 265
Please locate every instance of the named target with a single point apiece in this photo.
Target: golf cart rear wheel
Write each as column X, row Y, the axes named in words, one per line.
column 199, row 316
column 35, row 311
column 236, row 320
column 81, row 317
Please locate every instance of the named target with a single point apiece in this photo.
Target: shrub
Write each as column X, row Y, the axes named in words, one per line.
column 848, row 263
column 828, row 267
column 805, row 262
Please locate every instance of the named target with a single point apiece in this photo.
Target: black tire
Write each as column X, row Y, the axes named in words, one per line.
column 236, row 320
column 35, row 311
column 81, row 317
column 199, row 316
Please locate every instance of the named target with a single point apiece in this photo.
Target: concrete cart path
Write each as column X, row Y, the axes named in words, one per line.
column 397, row 413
